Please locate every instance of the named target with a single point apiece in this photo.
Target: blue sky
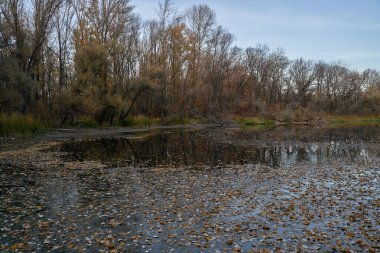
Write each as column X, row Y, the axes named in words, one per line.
column 329, row 30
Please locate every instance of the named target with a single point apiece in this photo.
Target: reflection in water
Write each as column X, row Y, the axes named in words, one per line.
column 215, row 148
column 133, row 210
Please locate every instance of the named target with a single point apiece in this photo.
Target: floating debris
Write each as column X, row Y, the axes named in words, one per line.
column 51, row 203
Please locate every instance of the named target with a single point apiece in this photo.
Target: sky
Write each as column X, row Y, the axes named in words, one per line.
column 328, row 30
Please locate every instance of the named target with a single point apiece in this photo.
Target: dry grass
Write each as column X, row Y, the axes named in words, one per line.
column 20, row 125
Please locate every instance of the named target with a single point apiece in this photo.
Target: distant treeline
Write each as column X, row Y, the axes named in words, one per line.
column 62, row 60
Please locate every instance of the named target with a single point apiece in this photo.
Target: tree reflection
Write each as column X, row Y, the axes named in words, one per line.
column 206, row 148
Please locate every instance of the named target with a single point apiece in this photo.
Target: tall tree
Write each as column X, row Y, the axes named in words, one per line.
column 63, row 22
column 200, row 20
column 302, row 76
column 218, row 62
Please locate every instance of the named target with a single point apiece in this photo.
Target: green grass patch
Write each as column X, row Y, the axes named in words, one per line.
column 255, row 122
column 353, row 120
column 20, row 125
column 139, row 121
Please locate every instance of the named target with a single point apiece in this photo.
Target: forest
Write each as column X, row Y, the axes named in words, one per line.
column 63, row 61
column 120, row 133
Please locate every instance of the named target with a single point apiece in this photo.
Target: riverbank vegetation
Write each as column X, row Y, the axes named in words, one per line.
column 353, row 120
column 93, row 63
column 20, row 125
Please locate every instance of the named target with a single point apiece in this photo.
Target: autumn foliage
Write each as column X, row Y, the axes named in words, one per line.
column 98, row 59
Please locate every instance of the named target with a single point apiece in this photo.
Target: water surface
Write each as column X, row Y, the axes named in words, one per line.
column 289, row 189
column 220, row 147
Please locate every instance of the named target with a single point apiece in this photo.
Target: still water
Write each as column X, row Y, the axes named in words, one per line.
column 210, row 190
column 220, row 147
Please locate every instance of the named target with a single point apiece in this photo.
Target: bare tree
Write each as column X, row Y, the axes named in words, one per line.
column 63, row 23
column 302, row 76
column 200, row 21
column 217, row 60
column 257, row 66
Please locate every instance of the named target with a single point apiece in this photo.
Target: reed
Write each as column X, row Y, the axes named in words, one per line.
column 20, row 125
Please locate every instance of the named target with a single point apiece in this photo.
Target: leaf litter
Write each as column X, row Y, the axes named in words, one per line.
column 50, row 204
